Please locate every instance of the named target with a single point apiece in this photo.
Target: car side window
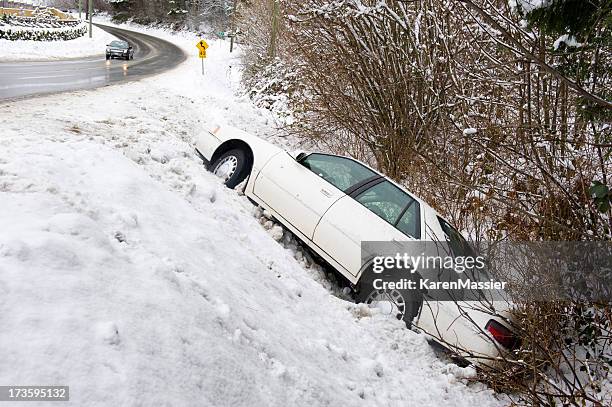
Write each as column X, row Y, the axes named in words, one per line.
column 385, row 200
column 410, row 222
column 394, row 206
column 341, row 172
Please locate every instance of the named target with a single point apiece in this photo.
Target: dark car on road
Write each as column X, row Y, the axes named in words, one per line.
column 119, row 49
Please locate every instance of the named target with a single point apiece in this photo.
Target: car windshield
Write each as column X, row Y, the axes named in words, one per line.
column 341, row 172
column 119, row 44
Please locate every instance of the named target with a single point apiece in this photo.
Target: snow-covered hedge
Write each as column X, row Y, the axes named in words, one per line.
column 271, row 88
column 64, row 33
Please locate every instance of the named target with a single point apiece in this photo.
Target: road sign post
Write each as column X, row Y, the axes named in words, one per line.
column 202, row 47
column 90, row 16
column 233, row 25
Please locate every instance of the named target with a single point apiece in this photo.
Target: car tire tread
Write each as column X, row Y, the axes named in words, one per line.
column 242, row 170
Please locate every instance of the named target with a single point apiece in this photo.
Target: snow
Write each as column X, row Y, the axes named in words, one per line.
column 568, row 40
column 52, row 50
column 470, row 131
column 529, row 5
column 132, row 275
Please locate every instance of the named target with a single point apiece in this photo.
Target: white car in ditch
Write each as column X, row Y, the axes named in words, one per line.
column 333, row 204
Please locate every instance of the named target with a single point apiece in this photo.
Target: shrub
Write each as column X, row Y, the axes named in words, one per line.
column 121, row 17
column 14, row 34
column 142, row 20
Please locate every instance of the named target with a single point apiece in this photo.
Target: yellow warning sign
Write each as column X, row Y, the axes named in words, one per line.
column 202, row 46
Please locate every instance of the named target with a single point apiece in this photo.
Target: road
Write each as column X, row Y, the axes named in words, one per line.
column 151, row 56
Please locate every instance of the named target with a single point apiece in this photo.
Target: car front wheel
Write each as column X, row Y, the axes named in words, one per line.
column 231, row 167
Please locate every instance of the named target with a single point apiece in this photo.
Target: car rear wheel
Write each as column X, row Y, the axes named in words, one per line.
column 231, row 167
column 400, row 304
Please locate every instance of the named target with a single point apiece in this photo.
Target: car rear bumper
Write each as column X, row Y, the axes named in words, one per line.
column 467, row 336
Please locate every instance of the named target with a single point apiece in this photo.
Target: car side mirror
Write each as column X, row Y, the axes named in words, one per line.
column 300, row 157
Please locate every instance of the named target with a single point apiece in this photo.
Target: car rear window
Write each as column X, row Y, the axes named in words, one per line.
column 457, row 242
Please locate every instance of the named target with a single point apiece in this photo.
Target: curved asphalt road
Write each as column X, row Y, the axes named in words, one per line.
column 151, row 56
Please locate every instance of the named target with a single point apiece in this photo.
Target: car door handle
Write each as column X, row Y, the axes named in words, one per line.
column 326, row 193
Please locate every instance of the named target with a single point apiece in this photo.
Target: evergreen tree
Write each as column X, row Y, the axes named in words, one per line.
column 578, row 18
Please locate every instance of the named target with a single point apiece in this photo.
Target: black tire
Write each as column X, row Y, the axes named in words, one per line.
column 107, row 57
column 407, row 303
column 237, row 167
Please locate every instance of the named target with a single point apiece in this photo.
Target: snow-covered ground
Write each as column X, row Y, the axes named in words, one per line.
column 52, row 50
column 132, row 275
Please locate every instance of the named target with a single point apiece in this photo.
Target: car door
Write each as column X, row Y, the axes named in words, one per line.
column 302, row 190
column 379, row 211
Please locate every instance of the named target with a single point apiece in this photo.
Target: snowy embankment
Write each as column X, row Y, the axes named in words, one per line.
column 52, row 50
column 130, row 274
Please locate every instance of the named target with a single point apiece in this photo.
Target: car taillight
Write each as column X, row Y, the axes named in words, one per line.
column 501, row 334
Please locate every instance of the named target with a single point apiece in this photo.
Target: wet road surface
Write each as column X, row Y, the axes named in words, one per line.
column 151, row 56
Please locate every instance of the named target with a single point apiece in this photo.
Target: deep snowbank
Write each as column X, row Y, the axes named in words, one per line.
column 130, row 274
